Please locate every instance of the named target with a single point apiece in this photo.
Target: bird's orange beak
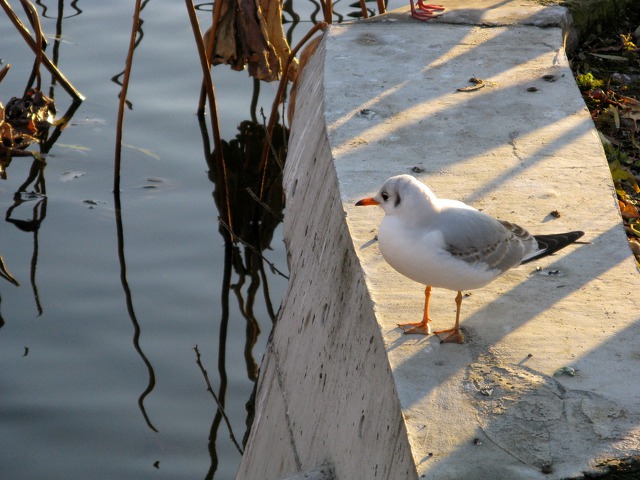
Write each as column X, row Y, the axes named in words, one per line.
column 365, row 202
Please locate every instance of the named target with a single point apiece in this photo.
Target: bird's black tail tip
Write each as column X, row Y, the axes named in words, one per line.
column 549, row 244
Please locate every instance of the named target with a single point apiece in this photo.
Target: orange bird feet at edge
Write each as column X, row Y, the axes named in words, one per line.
column 455, row 336
column 423, row 328
column 424, row 11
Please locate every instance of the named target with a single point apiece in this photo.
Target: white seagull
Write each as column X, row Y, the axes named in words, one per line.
column 448, row 244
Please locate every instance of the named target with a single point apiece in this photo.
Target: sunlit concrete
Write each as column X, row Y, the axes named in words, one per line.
column 380, row 98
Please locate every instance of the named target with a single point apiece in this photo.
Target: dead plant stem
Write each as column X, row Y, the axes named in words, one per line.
column 4, row 71
column 363, row 8
column 221, row 168
column 123, row 96
column 327, row 10
column 210, row 49
column 32, row 13
column 35, row 47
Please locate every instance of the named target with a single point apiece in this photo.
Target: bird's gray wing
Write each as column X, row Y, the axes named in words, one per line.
column 476, row 238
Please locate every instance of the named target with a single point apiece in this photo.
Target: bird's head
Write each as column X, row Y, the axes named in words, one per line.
column 402, row 194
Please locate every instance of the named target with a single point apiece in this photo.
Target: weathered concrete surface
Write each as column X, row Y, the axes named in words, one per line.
column 322, row 473
column 386, row 103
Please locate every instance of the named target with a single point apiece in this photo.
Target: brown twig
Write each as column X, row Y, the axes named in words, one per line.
column 34, row 19
column 327, row 10
column 381, row 7
column 217, row 400
column 4, row 71
column 221, row 167
column 276, row 101
column 363, row 8
column 5, row 273
column 123, row 97
column 35, row 47
column 210, row 49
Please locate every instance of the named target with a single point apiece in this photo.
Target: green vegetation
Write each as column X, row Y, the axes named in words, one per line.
column 587, row 81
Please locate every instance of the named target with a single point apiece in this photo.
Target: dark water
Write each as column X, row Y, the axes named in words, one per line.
column 97, row 341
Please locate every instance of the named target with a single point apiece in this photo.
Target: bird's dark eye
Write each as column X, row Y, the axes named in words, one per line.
column 385, row 196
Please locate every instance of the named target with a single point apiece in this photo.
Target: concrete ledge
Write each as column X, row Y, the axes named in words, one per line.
column 340, row 383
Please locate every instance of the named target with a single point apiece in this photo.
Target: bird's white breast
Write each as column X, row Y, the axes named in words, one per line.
column 419, row 252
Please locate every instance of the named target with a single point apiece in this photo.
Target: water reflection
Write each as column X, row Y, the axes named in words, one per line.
column 60, row 15
column 255, row 219
column 139, row 36
column 37, row 197
column 254, row 223
column 34, row 108
column 251, row 201
column 31, row 221
column 4, row 273
column 131, row 312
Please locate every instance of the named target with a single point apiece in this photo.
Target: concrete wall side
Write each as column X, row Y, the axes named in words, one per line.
column 326, row 394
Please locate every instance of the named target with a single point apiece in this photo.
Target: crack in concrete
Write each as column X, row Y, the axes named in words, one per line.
column 514, row 148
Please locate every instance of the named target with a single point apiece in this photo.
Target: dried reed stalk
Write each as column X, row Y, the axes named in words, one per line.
column 210, row 49
column 4, row 71
column 34, row 19
column 221, row 167
column 363, row 8
column 327, row 10
column 38, row 51
column 123, row 98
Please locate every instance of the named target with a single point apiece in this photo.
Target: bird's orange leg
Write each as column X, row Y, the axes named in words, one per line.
column 430, row 7
column 455, row 336
column 422, row 327
column 425, row 12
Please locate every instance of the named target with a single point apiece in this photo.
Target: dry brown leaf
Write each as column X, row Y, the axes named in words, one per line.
column 628, row 210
